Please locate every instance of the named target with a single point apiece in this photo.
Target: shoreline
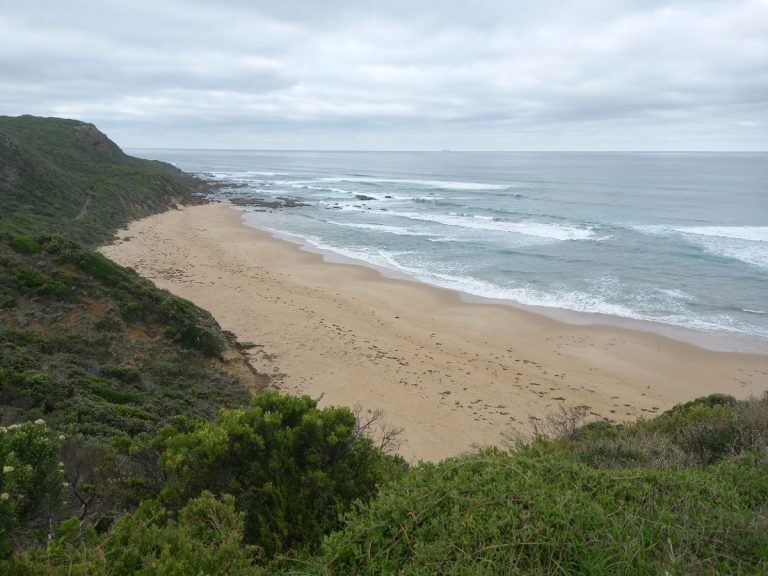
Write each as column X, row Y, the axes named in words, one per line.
column 714, row 341
column 454, row 374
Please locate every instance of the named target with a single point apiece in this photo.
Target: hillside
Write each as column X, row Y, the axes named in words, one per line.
column 94, row 350
column 65, row 177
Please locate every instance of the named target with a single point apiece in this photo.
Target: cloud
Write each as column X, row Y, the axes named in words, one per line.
column 340, row 74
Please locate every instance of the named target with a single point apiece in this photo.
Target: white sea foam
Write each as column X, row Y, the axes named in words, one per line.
column 660, row 305
column 303, row 186
column 750, row 253
column 748, row 244
column 441, row 184
column 547, row 231
column 749, row 233
column 244, row 174
column 564, row 299
column 397, row 230
column 676, row 294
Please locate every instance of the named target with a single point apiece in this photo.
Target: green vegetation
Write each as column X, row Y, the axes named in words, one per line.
column 255, row 491
column 204, row 538
column 31, row 482
column 579, row 504
column 97, row 350
column 94, row 350
column 130, row 444
column 294, row 468
column 283, row 473
column 65, row 177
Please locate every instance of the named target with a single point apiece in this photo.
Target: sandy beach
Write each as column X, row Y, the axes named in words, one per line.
column 452, row 374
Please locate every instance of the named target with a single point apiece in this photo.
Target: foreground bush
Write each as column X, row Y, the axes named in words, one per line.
column 31, row 482
column 205, row 539
column 293, row 468
column 539, row 513
column 698, row 433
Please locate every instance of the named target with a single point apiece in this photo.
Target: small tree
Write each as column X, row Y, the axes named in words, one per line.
column 31, row 481
column 564, row 423
column 293, row 469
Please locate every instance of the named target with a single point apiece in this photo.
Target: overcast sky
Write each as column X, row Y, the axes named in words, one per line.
column 395, row 75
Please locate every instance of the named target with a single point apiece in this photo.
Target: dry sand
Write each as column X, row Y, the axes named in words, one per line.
column 452, row 374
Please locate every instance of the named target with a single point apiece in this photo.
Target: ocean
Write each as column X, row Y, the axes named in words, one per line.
column 678, row 240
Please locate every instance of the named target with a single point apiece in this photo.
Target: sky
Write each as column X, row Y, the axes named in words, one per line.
column 395, row 74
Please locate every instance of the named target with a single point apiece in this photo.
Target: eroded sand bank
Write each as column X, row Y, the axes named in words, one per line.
column 452, row 374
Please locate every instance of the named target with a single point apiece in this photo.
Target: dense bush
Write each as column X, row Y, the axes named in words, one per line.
column 71, row 360
column 293, row 468
column 538, row 513
column 697, row 433
column 31, row 481
column 284, row 472
column 24, row 244
column 204, row 539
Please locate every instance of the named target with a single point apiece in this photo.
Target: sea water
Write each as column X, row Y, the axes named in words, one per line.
column 678, row 239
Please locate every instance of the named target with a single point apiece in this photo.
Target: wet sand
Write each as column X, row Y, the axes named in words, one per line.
column 452, row 374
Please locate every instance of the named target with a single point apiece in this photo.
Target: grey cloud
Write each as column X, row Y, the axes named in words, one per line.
column 339, row 74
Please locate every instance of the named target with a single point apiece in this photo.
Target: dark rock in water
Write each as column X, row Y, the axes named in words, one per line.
column 291, row 202
column 280, row 202
column 364, row 197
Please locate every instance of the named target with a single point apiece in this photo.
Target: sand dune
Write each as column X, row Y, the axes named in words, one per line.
column 452, row 374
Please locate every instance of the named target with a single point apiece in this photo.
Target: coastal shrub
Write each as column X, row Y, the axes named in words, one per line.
column 131, row 312
column 681, row 416
column 109, row 324
column 71, row 552
column 31, row 481
column 704, row 429
column 204, row 538
column 751, row 427
column 57, row 363
column 136, row 298
column 31, row 280
column 697, row 433
column 114, row 396
column 30, row 387
column 125, row 374
column 293, row 468
column 100, row 267
column 24, row 244
column 83, row 189
column 623, row 451
column 494, row 513
column 184, row 325
column 564, row 423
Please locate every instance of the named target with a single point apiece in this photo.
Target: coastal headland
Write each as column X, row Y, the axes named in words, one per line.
column 452, row 374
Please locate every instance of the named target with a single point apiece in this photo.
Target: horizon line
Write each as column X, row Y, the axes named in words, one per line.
column 447, row 151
